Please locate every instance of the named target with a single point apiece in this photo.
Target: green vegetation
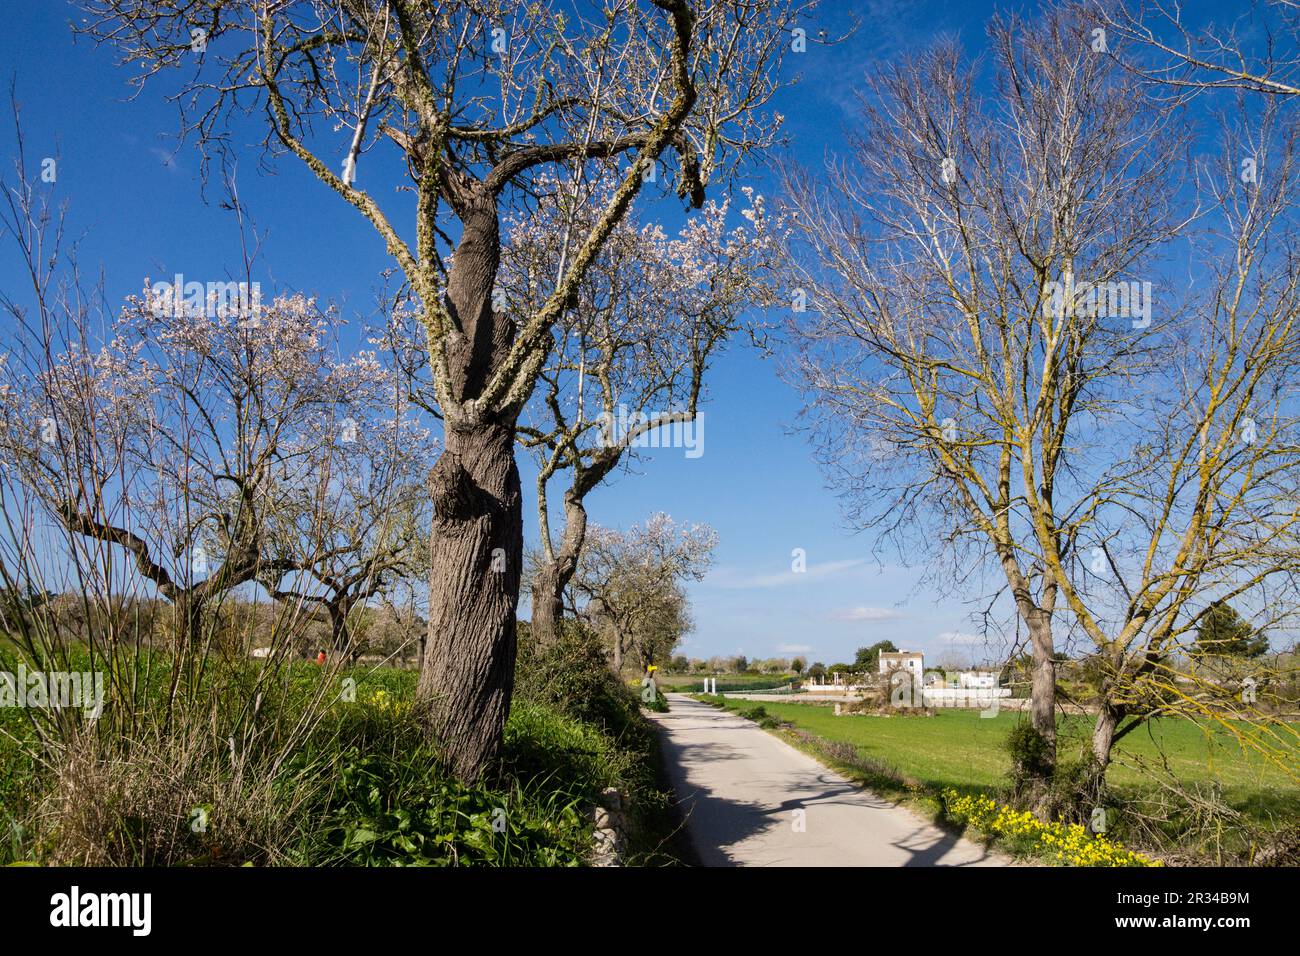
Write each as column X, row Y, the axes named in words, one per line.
column 760, row 716
column 362, row 787
column 959, row 749
column 1225, row 633
column 868, row 658
column 920, row 757
column 391, row 804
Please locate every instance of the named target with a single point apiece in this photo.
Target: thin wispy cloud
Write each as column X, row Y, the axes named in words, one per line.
column 866, row 614
column 733, row 579
column 793, row 648
column 167, row 158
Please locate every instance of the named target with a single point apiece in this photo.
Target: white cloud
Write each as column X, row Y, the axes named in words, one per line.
column 168, row 159
column 732, row 579
column 866, row 614
column 793, row 648
column 959, row 637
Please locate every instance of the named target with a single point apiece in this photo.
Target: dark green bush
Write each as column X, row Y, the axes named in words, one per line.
column 1068, row 791
column 1031, row 758
column 572, row 676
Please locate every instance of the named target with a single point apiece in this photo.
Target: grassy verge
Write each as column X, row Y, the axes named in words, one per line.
column 930, row 762
column 361, row 787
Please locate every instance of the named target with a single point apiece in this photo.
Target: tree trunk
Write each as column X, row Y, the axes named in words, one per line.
column 552, row 577
column 189, row 621
column 476, row 546
column 617, row 663
column 1043, row 685
column 1034, row 778
column 468, row 675
column 1038, row 619
column 1103, row 736
column 339, row 627
column 548, row 603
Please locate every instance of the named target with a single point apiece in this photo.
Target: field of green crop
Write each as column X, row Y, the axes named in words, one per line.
column 960, row 749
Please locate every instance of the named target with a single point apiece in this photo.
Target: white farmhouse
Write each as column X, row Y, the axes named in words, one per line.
column 912, row 661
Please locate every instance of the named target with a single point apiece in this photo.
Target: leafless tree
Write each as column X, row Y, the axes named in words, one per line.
column 1202, row 508
column 957, row 406
column 1258, row 50
column 1136, row 461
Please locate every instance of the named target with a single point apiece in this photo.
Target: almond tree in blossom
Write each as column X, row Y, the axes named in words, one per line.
column 630, row 355
column 170, row 436
column 631, row 582
column 479, row 100
column 179, row 439
column 357, row 523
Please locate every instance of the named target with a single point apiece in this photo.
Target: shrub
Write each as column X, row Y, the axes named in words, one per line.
column 1031, row 764
column 572, row 676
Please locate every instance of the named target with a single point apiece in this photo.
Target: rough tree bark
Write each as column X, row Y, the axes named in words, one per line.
column 552, row 577
column 1104, row 735
column 616, row 663
column 339, row 637
column 476, row 550
column 1037, row 616
column 478, row 541
column 1043, row 682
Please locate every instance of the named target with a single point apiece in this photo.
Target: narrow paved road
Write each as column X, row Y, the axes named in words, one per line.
column 741, row 790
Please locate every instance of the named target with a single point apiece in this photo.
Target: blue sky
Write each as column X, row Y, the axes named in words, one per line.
column 135, row 197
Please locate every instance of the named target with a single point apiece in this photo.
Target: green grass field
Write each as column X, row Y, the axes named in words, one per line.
column 960, row 749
